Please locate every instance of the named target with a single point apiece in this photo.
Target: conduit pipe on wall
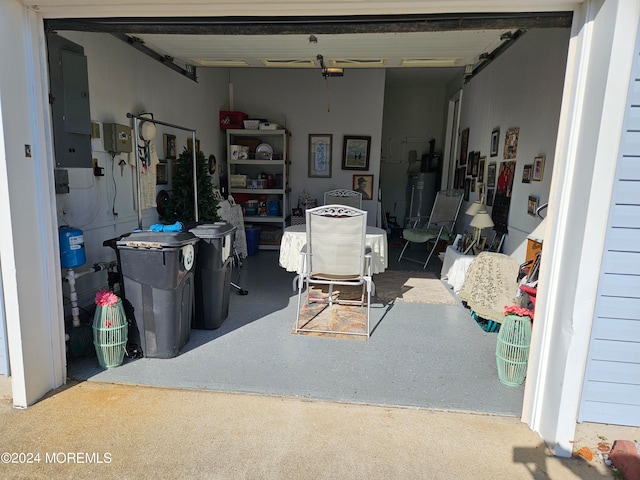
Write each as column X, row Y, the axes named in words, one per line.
column 71, row 278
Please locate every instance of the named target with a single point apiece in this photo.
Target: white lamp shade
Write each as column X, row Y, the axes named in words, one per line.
column 538, row 233
column 481, row 220
column 474, row 208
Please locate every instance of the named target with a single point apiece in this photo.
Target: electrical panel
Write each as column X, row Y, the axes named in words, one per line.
column 117, row 138
column 69, row 99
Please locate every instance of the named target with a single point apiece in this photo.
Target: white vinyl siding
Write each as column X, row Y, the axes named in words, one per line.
column 611, row 392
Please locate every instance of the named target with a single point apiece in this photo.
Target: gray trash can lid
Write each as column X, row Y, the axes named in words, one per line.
column 213, row 230
column 148, row 239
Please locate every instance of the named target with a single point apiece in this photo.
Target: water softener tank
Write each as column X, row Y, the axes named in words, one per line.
column 71, row 247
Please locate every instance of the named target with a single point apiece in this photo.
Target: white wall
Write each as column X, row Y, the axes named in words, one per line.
column 123, row 80
column 27, row 239
column 413, row 115
column 307, row 104
column 522, row 88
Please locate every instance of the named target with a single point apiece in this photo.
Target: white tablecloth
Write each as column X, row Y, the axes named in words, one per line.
column 295, row 237
column 454, row 267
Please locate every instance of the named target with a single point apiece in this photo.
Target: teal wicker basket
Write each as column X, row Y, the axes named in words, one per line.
column 512, row 349
column 110, row 330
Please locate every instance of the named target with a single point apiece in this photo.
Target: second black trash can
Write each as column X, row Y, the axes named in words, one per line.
column 213, row 274
column 158, row 273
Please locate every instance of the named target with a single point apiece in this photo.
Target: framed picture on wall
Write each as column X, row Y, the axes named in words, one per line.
column 532, row 205
column 538, row 169
column 481, row 168
column 355, row 152
column 162, row 173
column 495, row 135
column 169, row 146
column 364, row 185
column 464, row 146
column 526, row 173
column 491, row 174
column 320, row 155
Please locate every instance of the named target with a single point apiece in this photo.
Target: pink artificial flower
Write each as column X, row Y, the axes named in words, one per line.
column 517, row 310
column 106, row 298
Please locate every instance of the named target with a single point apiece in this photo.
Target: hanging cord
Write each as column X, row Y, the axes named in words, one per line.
column 328, row 93
column 115, row 185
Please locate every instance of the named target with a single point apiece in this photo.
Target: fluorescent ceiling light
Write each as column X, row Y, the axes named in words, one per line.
column 358, row 62
column 289, row 62
column 221, row 62
column 430, row 62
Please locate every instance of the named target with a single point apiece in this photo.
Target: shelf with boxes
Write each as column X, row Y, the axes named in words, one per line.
column 259, row 179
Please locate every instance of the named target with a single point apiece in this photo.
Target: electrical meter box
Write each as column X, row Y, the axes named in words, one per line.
column 117, row 138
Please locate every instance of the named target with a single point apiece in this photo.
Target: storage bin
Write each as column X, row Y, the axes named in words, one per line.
column 251, row 124
column 213, row 274
column 232, row 119
column 253, row 240
column 158, row 275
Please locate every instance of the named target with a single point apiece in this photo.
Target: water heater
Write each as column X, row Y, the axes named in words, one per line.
column 72, row 252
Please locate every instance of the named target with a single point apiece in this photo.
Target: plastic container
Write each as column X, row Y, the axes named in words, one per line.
column 253, row 240
column 273, row 207
column 232, row 119
column 72, row 253
column 158, row 274
column 213, row 274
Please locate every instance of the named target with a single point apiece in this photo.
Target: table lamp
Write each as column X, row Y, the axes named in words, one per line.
column 481, row 220
column 475, row 207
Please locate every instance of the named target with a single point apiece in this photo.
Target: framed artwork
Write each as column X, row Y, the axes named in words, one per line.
column 464, row 146
column 495, row 138
column 505, row 178
column 481, row 189
column 190, row 144
column 538, row 169
column 475, row 163
column 162, row 173
column 491, row 174
column 481, row 168
column 355, row 152
column 169, row 146
column 532, row 205
column 511, row 143
column 320, row 155
column 526, row 173
column 467, row 189
column 213, row 164
column 364, row 185
column 489, row 200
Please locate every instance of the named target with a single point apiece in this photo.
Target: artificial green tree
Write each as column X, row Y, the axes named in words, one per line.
column 180, row 204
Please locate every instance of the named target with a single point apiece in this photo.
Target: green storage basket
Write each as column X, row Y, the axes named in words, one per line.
column 110, row 330
column 512, row 349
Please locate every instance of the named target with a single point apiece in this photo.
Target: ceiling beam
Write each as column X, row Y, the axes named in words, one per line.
column 314, row 25
column 189, row 71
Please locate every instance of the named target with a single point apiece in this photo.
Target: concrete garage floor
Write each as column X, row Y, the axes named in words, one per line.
column 419, row 355
column 419, row 399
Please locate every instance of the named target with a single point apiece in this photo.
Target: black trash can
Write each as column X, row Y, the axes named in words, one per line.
column 213, row 274
column 158, row 273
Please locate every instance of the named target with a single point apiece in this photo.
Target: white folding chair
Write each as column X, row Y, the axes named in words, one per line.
column 437, row 226
column 343, row 197
column 335, row 254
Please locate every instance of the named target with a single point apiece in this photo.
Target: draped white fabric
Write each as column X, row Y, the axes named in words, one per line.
column 295, row 237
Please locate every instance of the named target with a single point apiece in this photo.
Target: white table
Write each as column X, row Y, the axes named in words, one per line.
column 454, row 267
column 295, row 237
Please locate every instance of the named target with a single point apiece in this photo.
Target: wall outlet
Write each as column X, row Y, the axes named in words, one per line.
column 61, row 178
column 95, row 130
column 97, row 171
